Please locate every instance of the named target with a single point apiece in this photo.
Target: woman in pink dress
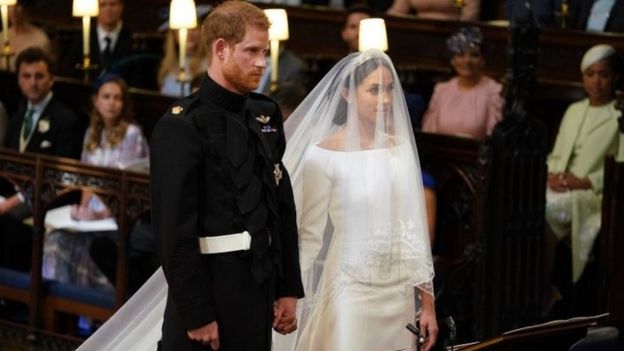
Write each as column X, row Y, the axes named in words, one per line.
column 437, row 9
column 469, row 104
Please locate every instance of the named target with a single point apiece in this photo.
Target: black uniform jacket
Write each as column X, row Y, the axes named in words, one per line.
column 216, row 170
column 58, row 131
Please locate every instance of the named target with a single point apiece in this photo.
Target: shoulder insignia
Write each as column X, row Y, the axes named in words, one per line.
column 263, row 119
column 176, row 110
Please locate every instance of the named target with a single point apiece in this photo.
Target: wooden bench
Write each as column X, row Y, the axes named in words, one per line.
column 52, row 180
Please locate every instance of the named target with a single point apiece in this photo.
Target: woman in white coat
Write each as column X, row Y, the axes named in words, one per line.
column 588, row 132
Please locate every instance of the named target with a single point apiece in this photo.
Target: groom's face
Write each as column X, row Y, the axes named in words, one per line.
column 244, row 62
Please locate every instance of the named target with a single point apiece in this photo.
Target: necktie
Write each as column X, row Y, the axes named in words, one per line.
column 106, row 54
column 28, row 123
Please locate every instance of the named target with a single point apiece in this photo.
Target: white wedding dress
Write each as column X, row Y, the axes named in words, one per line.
column 358, row 307
column 355, row 306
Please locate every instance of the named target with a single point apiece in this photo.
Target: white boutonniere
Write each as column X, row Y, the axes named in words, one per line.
column 43, row 125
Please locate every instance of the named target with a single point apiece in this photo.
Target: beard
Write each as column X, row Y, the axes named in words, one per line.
column 243, row 82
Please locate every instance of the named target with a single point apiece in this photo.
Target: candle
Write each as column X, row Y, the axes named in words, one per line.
column 274, row 60
column 86, row 23
column 182, row 34
column 277, row 31
column 5, row 24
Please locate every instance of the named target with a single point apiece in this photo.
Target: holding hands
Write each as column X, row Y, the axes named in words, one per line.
column 285, row 315
column 560, row 182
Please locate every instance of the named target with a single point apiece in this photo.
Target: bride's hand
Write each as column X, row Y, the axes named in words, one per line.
column 285, row 315
column 428, row 326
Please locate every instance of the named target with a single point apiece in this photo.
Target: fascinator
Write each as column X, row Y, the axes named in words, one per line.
column 465, row 38
column 595, row 54
column 103, row 79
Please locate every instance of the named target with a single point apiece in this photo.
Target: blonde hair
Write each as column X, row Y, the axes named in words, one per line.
column 169, row 61
column 229, row 20
column 96, row 125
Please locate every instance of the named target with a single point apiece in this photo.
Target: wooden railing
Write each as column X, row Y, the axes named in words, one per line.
column 46, row 181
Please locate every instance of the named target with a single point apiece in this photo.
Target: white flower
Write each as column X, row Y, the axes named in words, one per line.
column 43, row 125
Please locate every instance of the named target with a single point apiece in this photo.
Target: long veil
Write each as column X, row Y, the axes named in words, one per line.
column 383, row 242
column 137, row 324
column 357, row 184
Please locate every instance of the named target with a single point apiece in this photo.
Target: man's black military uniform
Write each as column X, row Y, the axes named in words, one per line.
column 216, row 170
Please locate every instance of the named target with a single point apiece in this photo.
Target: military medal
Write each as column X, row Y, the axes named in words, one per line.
column 277, row 172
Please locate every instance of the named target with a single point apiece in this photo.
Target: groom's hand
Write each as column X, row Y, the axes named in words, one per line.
column 207, row 335
column 285, row 315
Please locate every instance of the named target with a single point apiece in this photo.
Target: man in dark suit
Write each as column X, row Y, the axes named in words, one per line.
column 42, row 124
column 597, row 16
column 223, row 212
column 110, row 47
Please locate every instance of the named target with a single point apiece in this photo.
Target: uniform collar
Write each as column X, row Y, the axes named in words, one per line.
column 213, row 92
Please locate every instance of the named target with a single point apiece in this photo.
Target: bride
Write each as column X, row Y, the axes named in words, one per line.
column 364, row 248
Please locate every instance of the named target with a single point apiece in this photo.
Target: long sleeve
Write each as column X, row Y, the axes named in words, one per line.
column 175, row 173
column 553, row 160
column 316, row 196
column 69, row 135
column 494, row 109
column 430, row 119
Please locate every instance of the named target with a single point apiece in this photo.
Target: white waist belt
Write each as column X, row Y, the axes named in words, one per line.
column 225, row 243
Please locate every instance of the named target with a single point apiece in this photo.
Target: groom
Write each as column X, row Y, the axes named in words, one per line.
column 222, row 205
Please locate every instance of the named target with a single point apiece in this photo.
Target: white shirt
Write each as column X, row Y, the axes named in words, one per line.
column 39, row 108
column 103, row 34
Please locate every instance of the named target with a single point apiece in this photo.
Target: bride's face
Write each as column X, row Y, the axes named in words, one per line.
column 374, row 95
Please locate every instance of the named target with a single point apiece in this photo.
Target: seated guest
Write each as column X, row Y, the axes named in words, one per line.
column 470, row 104
column 196, row 62
column 597, row 15
column 110, row 47
column 545, row 11
column 351, row 28
column 288, row 96
column 22, row 34
column 42, row 124
column 291, row 68
column 3, row 123
column 436, row 9
column 142, row 256
column 587, row 133
column 112, row 140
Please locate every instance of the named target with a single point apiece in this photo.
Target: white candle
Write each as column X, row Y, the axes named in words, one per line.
column 274, row 60
column 182, row 34
column 5, row 24
column 86, row 24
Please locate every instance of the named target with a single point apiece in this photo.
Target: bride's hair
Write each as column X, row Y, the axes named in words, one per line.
column 356, row 78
